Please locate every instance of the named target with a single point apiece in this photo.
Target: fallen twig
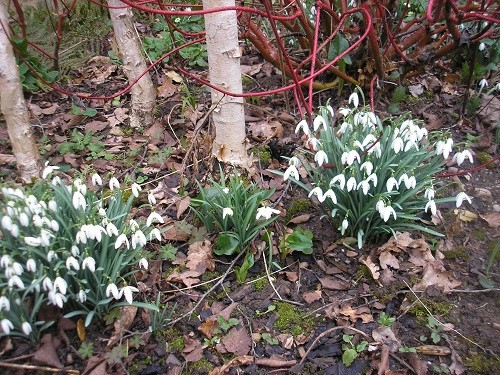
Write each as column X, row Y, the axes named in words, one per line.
column 39, row 368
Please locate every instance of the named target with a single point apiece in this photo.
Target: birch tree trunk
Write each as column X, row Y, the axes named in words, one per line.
column 143, row 92
column 13, row 106
column 230, row 145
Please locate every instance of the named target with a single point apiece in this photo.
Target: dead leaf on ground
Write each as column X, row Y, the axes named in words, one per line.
column 237, row 340
column 493, row 219
column 5, row 345
column 386, row 259
column 419, row 366
column 264, row 131
column 465, row 215
column 193, row 350
column 167, row 88
column 47, row 353
column 329, row 283
column 374, row 269
column 311, row 297
column 208, row 327
column 96, row 126
column 127, row 315
column 199, row 257
column 95, row 366
column 386, row 336
column 300, row 219
column 182, row 206
column 80, row 329
column 354, row 313
column 238, row 361
column 437, row 276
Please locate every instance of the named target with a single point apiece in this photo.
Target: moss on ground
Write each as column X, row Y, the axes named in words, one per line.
column 298, row 206
column 292, row 319
column 479, row 364
column 458, row 253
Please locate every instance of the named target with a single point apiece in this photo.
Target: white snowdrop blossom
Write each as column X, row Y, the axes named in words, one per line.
column 96, row 180
column 380, row 206
column 345, row 111
column 75, row 251
column 330, row 194
column 429, row 193
column 72, row 262
column 344, row 226
column 112, row 290
column 26, row 328
column 397, row 145
column 340, row 178
column 23, row 219
column 348, row 157
column 266, row 212
column 79, row 201
column 459, row 157
column 155, row 233
column 51, row 255
column 226, row 190
column 227, row 211
column 82, row 296
column 154, row 218
column 133, row 225
column 151, row 199
column 111, row 229
column 113, row 184
column 138, row 239
column 291, row 171
column 365, row 186
column 483, row 83
column 136, row 188
column 6, row 325
column 57, row 299
column 122, row 238
column 367, row 166
column 444, row 148
column 345, row 126
column 143, row 262
column 7, row 222
column 410, row 182
column 302, row 125
column 386, row 213
column 5, row 261
column 391, row 183
column 316, row 191
column 321, row 157
column 460, row 198
column 4, row 304
column 15, row 280
column 31, row 265
column 47, row 284
column 33, row 241
column 48, row 170
column 54, row 225
column 432, row 206
column 319, row 121
column 482, row 46
column 89, row 263
column 81, row 237
column 61, row 284
column 314, row 143
column 351, row 183
column 354, row 99
column 127, row 292
column 14, row 230
column 52, row 206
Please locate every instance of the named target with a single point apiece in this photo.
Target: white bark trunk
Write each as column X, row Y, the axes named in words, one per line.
column 143, row 92
column 230, row 145
column 13, row 107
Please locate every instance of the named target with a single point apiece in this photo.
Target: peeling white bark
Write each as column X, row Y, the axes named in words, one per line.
column 221, row 28
column 13, row 106
column 143, row 92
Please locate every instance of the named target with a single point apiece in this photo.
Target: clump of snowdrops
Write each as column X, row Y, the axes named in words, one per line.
column 374, row 179
column 237, row 212
column 67, row 245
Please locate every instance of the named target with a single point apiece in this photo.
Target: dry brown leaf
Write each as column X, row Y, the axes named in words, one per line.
column 50, row 110
column 419, row 366
column 96, row 126
column 386, row 336
column 182, row 206
column 199, row 257
column 127, row 315
column 387, row 277
column 311, row 297
column 331, row 284
column 237, row 340
column 374, row 269
column 292, row 276
column 5, row 345
column 167, row 89
column 436, row 275
column 80, row 330
column 264, row 131
column 286, row 340
column 387, row 259
column 493, row 219
column 465, row 215
column 300, row 219
column 47, row 354
column 238, row 361
column 95, row 366
column 275, row 361
column 7, row 159
column 208, row 327
column 188, row 278
column 193, row 350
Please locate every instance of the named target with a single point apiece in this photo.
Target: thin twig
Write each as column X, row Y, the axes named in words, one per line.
column 39, row 368
column 327, row 332
column 269, row 277
column 474, row 291
column 202, row 298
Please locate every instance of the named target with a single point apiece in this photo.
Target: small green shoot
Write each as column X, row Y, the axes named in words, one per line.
column 351, row 350
column 299, row 240
column 269, row 339
column 385, row 320
column 86, row 349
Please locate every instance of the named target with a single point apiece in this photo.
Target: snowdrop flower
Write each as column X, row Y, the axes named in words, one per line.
column 89, row 263
column 96, row 180
column 410, row 182
column 112, row 289
column 344, row 111
column 6, row 222
column 48, row 170
column 329, row 194
column 111, row 229
column 266, row 212
column 151, row 199
column 344, row 226
column 497, row 86
column 47, row 284
column 71, row 262
column 482, row 46
column 79, row 200
column 122, row 238
column 4, row 304
column 291, row 171
column 380, row 206
column 226, row 190
column 155, row 233
column 460, row 156
column 302, row 125
column 349, row 157
column 387, row 212
column 61, row 284
column 330, row 110
column 57, row 299
column 143, row 262
column 345, row 125
column 31, row 265
column 23, row 219
column 75, row 251
column 316, row 191
column 429, row 193
column 365, row 186
column 33, row 241
column 314, row 143
column 227, row 211
column 138, row 239
column 133, row 225
column 340, row 178
column 15, row 280
column 14, row 230
column 319, row 121
column 368, row 167
column 460, row 198
column 82, row 296
column 354, row 99
column 136, row 188
column 113, row 183
column 432, row 205
column 483, row 83
column 6, row 325
column 154, row 218
column 51, row 255
column 391, row 182
column 26, row 327
column 351, row 184
column 397, row 145
column 127, row 292
column 5, row 261
column 321, row 157
column 54, row 225
column 81, row 237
